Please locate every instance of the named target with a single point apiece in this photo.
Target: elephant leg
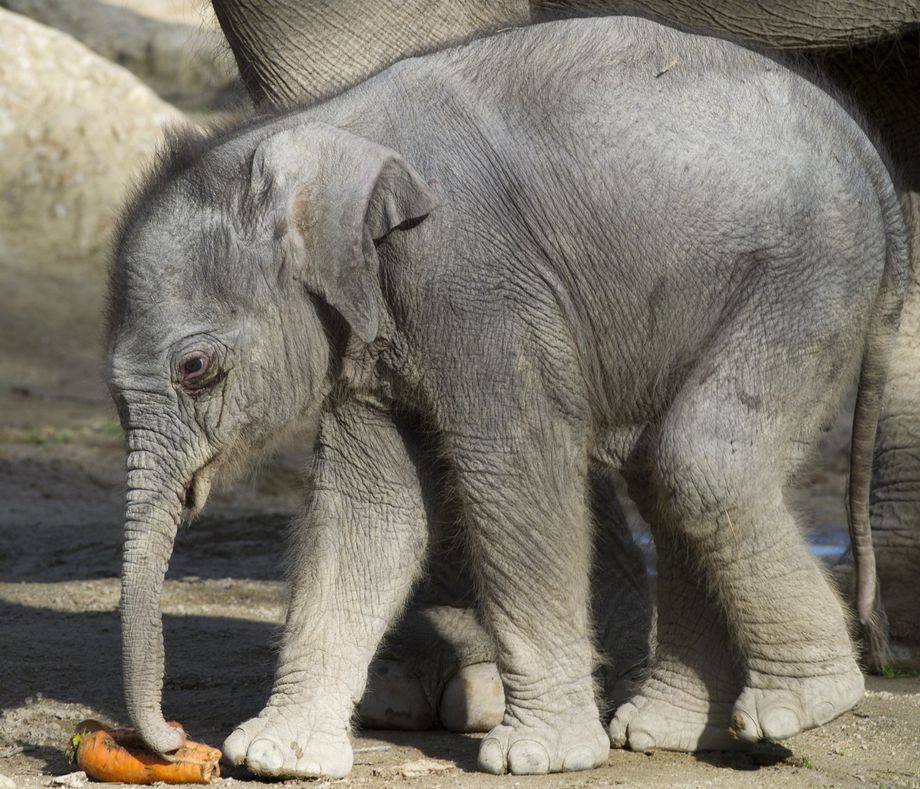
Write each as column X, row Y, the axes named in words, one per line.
column 881, row 81
column 357, row 553
column 620, row 604
column 524, row 493
column 438, row 668
column 732, row 515
column 686, row 700
column 291, row 51
column 719, row 471
column 895, row 498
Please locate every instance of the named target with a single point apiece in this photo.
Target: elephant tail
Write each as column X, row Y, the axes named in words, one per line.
column 882, row 330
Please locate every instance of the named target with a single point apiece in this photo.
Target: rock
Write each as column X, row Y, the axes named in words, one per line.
column 71, row 780
column 75, row 130
column 187, row 64
column 6, row 782
column 421, row 767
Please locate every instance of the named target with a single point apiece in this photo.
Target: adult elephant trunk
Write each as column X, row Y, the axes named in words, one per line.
column 152, row 515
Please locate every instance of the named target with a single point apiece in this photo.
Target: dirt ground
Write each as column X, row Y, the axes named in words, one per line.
column 61, row 491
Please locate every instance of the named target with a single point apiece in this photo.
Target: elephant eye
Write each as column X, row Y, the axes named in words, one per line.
column 194, row 366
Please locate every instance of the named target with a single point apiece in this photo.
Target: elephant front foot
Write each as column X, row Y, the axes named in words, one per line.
column 668, row 717
column 567, row 743
column 774, row 708
column 284, row 742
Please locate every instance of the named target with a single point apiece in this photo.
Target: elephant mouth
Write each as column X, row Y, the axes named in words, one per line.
column 189, row 500
column 196, row 491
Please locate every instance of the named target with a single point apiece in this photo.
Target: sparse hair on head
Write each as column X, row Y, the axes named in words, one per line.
column 181, row 150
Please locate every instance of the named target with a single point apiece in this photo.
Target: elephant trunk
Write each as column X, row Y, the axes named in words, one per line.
column 152, row 515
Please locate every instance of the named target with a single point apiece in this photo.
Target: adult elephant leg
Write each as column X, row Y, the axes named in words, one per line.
column 292, row 51
column 895, row 498
column 882, row 82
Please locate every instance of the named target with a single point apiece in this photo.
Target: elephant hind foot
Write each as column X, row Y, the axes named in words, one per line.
column 663, row 715
column 773, row 708
column 472, row 699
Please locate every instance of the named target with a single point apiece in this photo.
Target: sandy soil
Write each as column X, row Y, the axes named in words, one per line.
column 61, row 484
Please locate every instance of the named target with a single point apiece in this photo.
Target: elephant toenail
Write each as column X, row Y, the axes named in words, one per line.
column 528, row 757
column 234, row 747
column 824, row 712
column 641, row 742
column 264, row 757
column 744, row 727
column 617, row 728
column 492, row 756
column 780, row 723
column 579, row 758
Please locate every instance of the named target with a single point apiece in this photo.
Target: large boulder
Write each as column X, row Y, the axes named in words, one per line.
column 183, row 57
column 75, row 130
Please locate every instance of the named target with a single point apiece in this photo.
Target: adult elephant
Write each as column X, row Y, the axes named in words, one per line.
column 437, row 662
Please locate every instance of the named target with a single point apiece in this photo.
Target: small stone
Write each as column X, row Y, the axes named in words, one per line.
column 6, row 782
column 107, row 136
column 421, row 767
column 71, row 780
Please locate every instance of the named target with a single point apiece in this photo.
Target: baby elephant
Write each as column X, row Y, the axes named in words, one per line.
column 593, row 243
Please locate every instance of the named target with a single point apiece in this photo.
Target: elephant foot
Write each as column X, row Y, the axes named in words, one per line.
column 899, row 570
column 472, row 699
column 905, row 656
column 283, row 742
column 567, row 743
column 661, row 716
column 773, row 708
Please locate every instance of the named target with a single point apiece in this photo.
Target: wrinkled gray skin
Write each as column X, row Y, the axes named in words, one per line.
column 437, row 667
column 289, row 51
column 548, row 271
column 430, row 672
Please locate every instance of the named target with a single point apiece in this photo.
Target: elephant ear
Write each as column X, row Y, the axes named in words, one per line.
column 338, row 194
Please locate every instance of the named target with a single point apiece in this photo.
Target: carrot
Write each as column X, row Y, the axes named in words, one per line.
column 119, row 756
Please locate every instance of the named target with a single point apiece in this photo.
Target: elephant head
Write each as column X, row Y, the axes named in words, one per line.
column 241, row 272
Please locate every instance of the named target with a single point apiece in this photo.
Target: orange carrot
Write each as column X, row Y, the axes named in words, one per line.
column 119, row 756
